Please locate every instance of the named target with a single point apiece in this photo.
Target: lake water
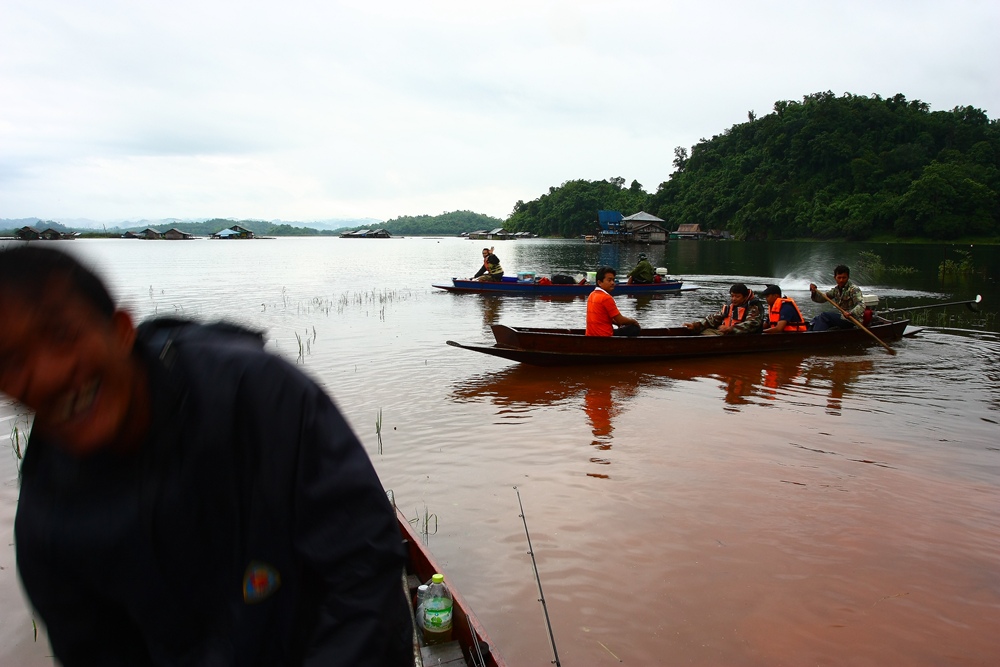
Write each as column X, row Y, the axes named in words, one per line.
column 760, row 510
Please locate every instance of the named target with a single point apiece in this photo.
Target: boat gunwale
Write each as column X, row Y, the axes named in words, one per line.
column 468, row 628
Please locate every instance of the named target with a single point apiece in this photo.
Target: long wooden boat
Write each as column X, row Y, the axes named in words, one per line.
column 470, row 645
column 511, row 285
column 563, row 347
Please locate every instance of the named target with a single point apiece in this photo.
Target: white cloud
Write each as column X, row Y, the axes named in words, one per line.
column 307, row 110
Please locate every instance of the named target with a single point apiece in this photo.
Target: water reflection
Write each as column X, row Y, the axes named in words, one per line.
column 602, row 393
column 838, row 377
column 754, row 380
column 491, row 306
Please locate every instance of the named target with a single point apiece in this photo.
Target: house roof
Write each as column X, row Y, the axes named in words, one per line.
column 689, row 229
column 642, row 216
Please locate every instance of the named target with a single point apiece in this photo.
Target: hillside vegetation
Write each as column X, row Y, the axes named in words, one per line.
column 849, row 167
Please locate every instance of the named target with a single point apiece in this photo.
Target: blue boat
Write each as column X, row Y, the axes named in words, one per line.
column 511, row 285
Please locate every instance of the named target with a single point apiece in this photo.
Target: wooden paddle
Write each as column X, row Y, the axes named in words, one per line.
column 856, row 323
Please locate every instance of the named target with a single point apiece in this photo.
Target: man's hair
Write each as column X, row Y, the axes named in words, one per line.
column 840, row 268
column 486, row 249
column 603, row 271
column 32, row 273
column 739, row 288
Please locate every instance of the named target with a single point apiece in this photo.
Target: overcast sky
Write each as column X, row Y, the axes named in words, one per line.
column 115, row 110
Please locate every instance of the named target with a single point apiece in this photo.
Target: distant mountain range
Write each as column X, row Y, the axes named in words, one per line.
column 84, row 224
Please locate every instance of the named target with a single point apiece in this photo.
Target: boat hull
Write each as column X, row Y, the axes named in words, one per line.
column 564, row 347
column 466, row 628
column 526, row 288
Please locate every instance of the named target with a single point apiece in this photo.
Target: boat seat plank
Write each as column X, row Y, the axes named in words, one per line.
column 449, row 655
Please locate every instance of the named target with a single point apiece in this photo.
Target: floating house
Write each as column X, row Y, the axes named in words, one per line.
column 234, row 232
column 639, row 227
column 367, row 234
column 150, row 234
column 174, row 234
column 29, row 233
column 498, row 234
column 689, row 232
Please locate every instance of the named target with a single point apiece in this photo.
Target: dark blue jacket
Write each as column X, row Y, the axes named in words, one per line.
column 249, row 476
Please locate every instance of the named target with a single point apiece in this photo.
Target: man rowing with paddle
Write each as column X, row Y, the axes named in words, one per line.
column 846, row 295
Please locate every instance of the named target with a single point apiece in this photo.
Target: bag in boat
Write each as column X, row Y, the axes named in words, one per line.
column 560, row 279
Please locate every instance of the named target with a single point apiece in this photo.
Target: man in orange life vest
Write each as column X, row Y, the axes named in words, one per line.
column 742, row 315
column 602, row 312
column 783, row 313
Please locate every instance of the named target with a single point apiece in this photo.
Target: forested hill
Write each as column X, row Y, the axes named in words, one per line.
column 850, row 167
column 453, row 223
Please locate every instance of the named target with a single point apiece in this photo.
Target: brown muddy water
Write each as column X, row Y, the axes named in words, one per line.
column 840, row 508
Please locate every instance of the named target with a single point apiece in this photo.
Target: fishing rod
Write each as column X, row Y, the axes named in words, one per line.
column 541, row 596
column 973, row 305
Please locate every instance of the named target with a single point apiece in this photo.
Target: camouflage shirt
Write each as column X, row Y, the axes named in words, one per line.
column 753, row 323
column 847, row 297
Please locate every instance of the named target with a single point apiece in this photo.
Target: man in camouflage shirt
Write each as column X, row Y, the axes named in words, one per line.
column 744, row 314
column 846, row 294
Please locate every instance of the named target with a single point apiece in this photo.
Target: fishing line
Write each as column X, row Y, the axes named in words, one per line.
column 541, row 596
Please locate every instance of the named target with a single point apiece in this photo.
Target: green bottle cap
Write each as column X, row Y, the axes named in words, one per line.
column 437, row 578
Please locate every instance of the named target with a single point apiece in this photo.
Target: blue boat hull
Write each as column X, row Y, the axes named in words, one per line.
column 525, row 288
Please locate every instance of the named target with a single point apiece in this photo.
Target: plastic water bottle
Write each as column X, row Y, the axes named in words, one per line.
column 437, row 612
column 422, row 590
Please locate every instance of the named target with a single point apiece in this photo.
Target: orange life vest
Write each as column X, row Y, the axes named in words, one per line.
column 775, row 315
column 735, row 315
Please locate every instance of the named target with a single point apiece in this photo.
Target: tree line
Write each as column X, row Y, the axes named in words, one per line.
column 848, row 167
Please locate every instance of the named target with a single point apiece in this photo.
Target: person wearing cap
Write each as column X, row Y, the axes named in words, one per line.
column 643, row 272
column 744, row 314
column 783, row 313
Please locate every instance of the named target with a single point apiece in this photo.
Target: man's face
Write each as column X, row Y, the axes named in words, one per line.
column 771, row 298
column 607, row 283
column 737, row 299
column 841, row 278
column 71, row 366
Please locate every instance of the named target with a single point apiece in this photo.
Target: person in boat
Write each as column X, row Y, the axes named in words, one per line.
column 643, row 273
column 783, row 312
column 186, row 497
column 490, row 271
column 744, row 314
column 845, row 294
column 602, row 313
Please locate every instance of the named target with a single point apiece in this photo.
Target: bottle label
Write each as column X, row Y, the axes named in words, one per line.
column 437, row 614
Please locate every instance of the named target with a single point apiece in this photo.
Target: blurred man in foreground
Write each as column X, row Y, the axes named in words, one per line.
column 187, row 498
